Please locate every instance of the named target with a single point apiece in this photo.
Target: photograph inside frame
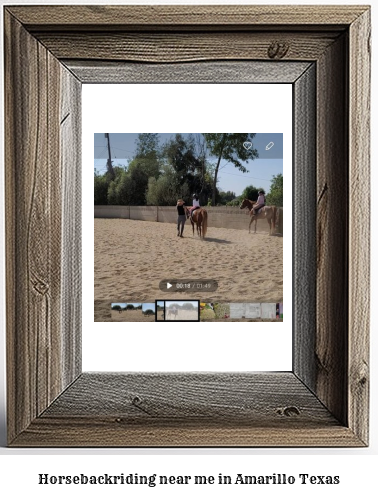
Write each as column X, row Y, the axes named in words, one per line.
column 188, row 227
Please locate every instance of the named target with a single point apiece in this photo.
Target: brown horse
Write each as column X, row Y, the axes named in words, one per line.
column 268, row 213
column 199, row 217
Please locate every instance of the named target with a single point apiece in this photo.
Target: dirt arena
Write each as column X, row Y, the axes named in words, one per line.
column 131, row 316
column 133, row 256
column 183, row 315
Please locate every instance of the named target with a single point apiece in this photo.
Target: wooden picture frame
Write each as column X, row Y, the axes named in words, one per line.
column 49, row 52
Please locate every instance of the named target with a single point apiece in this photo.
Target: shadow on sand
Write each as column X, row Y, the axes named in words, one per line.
column 217, row 240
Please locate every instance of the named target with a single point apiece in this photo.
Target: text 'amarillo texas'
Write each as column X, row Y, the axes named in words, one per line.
column 154, row 479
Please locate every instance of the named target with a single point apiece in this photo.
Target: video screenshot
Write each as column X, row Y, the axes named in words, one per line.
column 188, row 227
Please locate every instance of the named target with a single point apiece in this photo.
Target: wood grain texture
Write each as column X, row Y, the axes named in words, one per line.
column 217, row 396
column 192, row 409
column 71, row 296
column 203, row 72
column 179, row 47
column 143, row 17
column 359, row 234
column 34, row 237
column 98, row 432
column 332, row 230
column 304, row 227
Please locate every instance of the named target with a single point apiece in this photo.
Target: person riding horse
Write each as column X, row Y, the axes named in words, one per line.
column 269, row 213
column 198, row 217
column 259, row 204
column 195, row 204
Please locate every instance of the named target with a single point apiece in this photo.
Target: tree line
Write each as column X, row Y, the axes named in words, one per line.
column 127, row 307
column 160, row 174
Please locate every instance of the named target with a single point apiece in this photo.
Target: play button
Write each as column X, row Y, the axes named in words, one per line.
column 188, row 286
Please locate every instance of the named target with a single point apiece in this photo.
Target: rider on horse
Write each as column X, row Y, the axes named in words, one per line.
column 260, row 203
column 198, row 217
column 195, row 205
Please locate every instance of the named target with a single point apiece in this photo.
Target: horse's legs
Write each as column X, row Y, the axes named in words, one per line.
column 192, row 226
column 255, row 225
column 250, row 222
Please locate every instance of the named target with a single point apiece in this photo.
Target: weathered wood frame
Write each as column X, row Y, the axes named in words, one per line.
column 324, row 400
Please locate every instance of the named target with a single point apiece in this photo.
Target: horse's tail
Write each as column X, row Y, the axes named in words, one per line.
column 274, row 217
column 204, row 223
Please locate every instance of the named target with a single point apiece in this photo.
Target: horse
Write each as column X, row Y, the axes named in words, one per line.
column 199, row 217
column 268, row 213
column 174, row 312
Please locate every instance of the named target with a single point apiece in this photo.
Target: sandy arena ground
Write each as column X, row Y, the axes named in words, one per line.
column 132, row 316
column 133, row 256
column 183, row 315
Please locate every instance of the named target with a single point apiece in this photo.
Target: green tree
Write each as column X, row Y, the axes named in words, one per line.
column 166, row 189
column 230, row 147
column 187, row 157
column 101, row 185
column 180, row 154
column 188, row 306
column 131, row 185
column 171, row 306
column 138, row 174
column 123, row 189
column 275, row 195
column 148, row 154
column 117, row 307
column 147, row 146
column 112, row 193
column 225, row 197
column 114, row 186
column 148, row 312
column 235, row 202
column 250, row 193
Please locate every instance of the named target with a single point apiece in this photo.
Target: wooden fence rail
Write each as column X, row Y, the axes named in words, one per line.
column 228, row 217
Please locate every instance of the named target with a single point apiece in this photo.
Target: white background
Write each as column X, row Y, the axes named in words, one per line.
column 185, row 346
column 358, row 473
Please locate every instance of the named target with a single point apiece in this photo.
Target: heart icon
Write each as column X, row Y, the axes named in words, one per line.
column 247, row 145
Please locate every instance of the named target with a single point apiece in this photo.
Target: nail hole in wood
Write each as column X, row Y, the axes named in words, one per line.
column 41, row 287
column 136, row 400
column 278, row 50
column 288, row 411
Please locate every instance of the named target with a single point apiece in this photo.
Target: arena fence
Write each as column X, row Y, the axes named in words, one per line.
column 228, row 217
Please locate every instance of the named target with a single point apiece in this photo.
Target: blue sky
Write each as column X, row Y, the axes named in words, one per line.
column 260, row 171
column 148, row 305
